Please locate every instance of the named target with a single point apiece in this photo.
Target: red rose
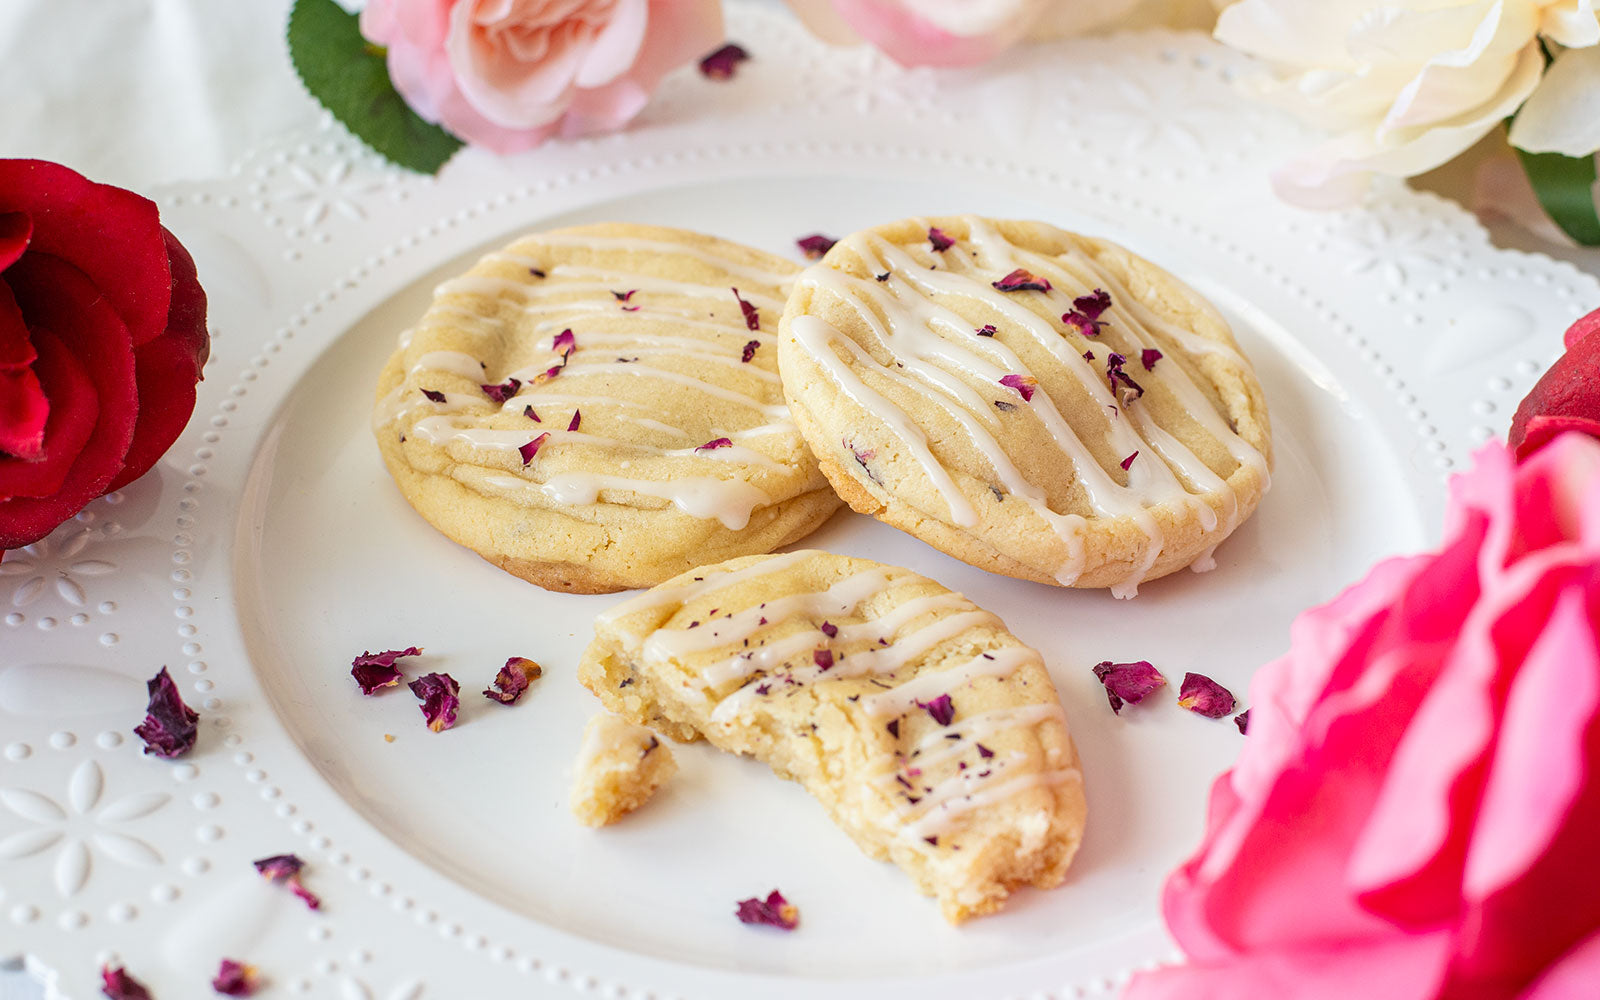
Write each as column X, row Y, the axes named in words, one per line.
column 102, row 338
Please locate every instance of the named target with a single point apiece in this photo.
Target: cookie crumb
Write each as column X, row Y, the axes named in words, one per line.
column 619, row 767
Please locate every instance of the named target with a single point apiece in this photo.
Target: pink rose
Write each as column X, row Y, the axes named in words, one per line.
column 922, row 33
column 967, row 32
column 1416, row 810
column 509, row 74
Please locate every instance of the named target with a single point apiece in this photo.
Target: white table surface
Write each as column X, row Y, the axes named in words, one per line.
column 145, row 92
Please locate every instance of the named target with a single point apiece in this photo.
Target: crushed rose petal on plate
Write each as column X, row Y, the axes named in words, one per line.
column 433, row 395
column 234, row 979
column 513, row 679
column 823, row 658
column 714, row 444
column 284, row 869
column 118, row 985
column 1128, row 682
column 1148, row 357
column 987, row 330
column 1021, row 280
column 577, row 419
column 1115, row 374
column 564, row 343
column 940, row 240
column 723, row 63
column 439, row 694
column 815, row 246
column 1242, row 720
column 1204, row 696
column 749, row 351
column 774, row 911
column 1127, row 463
column 170, row 727
column 377, row 670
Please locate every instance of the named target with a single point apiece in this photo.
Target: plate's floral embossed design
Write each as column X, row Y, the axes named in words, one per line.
column 311, row 232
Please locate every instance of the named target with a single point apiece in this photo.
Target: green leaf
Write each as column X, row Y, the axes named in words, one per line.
column 1565, row 186
column 350, row 78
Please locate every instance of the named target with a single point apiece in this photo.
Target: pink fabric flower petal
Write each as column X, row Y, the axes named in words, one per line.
column 1573, row 977
column 895, row 28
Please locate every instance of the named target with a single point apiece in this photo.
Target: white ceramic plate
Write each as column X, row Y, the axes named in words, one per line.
column 270, row 547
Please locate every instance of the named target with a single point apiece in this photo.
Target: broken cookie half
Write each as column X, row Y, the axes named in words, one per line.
column 931, row 734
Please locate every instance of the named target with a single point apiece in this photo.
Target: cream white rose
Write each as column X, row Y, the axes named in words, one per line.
column 1401, row 85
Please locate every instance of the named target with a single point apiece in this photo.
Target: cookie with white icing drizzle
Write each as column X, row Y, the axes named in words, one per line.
column 598, row 408
column 931, row 734
column 1034, row 402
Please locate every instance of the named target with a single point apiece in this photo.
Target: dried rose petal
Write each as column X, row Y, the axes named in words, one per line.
column 433, row 395
column 823, row 658
column 531, row 449
column 1022, row 383
column 1115, row 374
column 502, row 392
column 1204, row 696
column 883, row 277
column 1093, row 304
column 234, row 979
column 528, row 412
column 723, row 63
column 1085, row 324
column 564, row 343
column 774, row 911
column 893, row 726
column 940, row 240
column 535, row 272
column 552, row 371
column 1242, row 720
column 1003, row 406
column 170, row 727
column 1022, row 281
column 306, row 896
column 749, row 351
column 577, row 418
column 1088, row 355
column 714, row 444
column 987, row 330
column 279, row 867
column 815, row 246
column 1148, row 357
column 439, row 699
column 118, row 985
column 983, row 751
column 1128, row 682
column 752, row 319
column 941, row 708
column 1127, row 463
column 513, row 679
column 624, row 296
column 829, row 629
column 377, row 670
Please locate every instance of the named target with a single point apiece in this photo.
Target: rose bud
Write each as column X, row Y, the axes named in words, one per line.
column 102, row 339
column 1414, row 808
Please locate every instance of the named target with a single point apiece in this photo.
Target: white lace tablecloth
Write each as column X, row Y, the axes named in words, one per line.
column 144, row 92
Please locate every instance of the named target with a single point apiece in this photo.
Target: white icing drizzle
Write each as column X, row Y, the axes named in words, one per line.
column 760, row 646
column 928, row 346
column 645, row 338
column 661, row 248
column 1000, row 663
